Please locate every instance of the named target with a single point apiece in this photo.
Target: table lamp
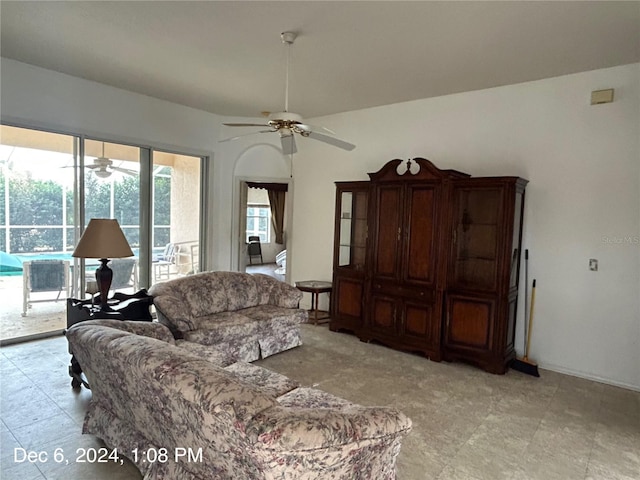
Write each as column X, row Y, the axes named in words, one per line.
column 103, row 239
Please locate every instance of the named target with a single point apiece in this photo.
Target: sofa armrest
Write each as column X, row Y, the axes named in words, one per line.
column 284, row 295
column 291, row 429
column 174, row 313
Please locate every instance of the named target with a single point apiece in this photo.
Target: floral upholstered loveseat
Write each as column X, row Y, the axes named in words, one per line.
column 240, row 421
column 248, row 316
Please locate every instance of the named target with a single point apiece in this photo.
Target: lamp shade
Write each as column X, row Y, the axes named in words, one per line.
column 103, row 238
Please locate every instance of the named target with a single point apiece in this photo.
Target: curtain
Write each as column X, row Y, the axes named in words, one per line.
column 277, row 200
column 277, row 197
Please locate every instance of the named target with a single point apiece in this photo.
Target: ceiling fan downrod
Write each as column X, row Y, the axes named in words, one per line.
column 288, row 39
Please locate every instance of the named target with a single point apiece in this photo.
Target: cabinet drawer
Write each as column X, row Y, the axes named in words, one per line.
column 421, row 294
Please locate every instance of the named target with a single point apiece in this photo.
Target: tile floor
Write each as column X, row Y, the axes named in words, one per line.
column 467, row 424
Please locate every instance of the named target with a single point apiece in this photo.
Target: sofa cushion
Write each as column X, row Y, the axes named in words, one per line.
column 240, row 288
column 206, row 352
column 215, row 390
column 267, row 312
column 225, row 326
column 235, row 347
column 267, row 381
column 192, row 296
column 305, row 397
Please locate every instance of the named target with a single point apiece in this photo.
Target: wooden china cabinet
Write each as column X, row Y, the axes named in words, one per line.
column 427, row 260
column 483, row 271
column 349, row 255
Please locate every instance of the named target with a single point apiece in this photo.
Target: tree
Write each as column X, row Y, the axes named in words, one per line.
column 35, row 205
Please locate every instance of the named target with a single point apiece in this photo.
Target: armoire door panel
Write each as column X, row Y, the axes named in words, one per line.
column 388, row 232
column 383, row 314
column 419, row 322
column 469, row 322
column 349, row 295
column 422, row 247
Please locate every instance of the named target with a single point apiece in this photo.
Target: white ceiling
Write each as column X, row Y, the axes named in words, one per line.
column 227, row 58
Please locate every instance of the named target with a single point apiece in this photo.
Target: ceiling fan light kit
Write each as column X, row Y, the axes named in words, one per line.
column 287, row 123
column 102, row 173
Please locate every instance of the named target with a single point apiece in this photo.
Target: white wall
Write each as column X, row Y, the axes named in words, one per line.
column 583, row 164
column 54, row 100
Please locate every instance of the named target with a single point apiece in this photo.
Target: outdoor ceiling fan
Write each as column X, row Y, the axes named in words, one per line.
column 287, row 123
column 103, row 167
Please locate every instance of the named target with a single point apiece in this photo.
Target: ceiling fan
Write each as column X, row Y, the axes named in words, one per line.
column 103, row 167
column 287, row 123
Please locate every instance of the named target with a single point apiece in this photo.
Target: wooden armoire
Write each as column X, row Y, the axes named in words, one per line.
column 427, row 260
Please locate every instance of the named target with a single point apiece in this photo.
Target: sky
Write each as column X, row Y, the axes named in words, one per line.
column 45, row 165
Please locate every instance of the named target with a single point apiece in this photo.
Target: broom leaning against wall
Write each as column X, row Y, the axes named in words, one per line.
column 523, row 364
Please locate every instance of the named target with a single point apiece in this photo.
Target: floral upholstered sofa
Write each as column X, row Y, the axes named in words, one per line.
column 248, row 316
column 151, row 393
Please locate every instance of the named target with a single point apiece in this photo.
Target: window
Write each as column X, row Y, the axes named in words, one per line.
column 258, row 221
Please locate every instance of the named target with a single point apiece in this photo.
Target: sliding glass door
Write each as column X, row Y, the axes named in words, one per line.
column 176, row 235
column 38, row 212
column 111, row 189
column 53, row 184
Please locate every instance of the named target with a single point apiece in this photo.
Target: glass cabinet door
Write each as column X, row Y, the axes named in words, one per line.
column 353, row 229
column 475, row 237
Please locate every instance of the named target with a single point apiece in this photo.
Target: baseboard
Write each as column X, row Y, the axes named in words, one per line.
column 588, row 376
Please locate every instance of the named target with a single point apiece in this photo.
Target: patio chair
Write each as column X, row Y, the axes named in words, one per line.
column 44, row 276
column 162, row 263
column 125, row 273
column 195, row 258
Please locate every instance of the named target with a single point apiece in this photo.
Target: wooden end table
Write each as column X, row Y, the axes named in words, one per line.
column 316, row 287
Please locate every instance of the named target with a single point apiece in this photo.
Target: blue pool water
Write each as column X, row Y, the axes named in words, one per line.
column 26, row 257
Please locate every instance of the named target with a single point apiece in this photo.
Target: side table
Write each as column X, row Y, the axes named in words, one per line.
column 316, row 287
column 123, row 307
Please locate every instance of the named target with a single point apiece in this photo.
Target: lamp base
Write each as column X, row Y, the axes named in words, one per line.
column 104, row 275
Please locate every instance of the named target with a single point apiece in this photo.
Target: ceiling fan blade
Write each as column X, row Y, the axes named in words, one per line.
column 246, row 124
column 126, row 171
column 245, row 135
column 336, row 142
column 314, row 128
column 288, row 144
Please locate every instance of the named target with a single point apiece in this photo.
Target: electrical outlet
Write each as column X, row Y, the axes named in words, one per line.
column 593, row 264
